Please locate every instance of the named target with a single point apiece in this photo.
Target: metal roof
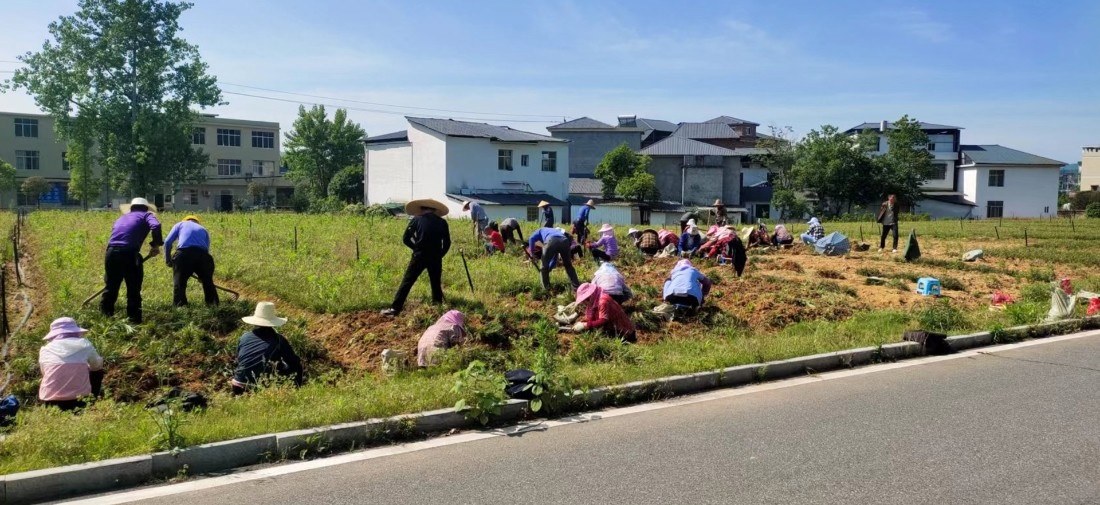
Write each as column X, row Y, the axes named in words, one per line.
column 585, row 186
column 401, row 136
column 890, row 124
column 581, row 123
column 656, row 124
column 682, row 146
column 530, row 199
column 953, row 198
column 706, row 131
column 994, row 154
column 730, row 120
column 453, row 128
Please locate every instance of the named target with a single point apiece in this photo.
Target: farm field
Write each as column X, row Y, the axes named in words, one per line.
column 332, row 273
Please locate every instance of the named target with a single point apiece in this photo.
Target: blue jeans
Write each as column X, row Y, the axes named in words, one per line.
column 808, row 239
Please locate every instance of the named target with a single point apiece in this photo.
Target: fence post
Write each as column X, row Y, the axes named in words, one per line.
column 1073, row 226
column 1025, row 237
column 15, row 255
column 998, row 230
column 356, row 248
column 295, row 239
column 4, row 300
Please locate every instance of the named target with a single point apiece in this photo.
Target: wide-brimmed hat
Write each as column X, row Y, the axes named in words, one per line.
column 191, row 217
column 466, row 205
column 64, row 326
column 544, row 203
column 717, row 202
column 413, row 207
column 265, row 316
column 590, row 203
column 607, row 228
column 125, row 208
column 631, row 231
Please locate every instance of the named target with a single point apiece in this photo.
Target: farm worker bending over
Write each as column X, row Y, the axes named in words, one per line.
column 607, row 247
column 71, row 367
column 781, row 236
column 447, row 332
column 509, row 226
column 603, row 313
column 478, row 215
column 192, row 257
column 493, row 241
column 608, row 278
column 580, row 225
column 556, row 246
column 686, row 285
column 547, row 214
column 429, row 237
column 123, row 259
column 815, row 233
column 690, row 240
column 263, row 352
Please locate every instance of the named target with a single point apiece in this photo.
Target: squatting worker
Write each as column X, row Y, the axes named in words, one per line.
column 192, row 257
column 888, row 218
column 556, row 246
column 429, row 237
column 263, row 353
column 478, row 216
column 123, row 259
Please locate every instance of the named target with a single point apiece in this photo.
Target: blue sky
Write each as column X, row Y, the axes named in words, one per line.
column 1014, row 73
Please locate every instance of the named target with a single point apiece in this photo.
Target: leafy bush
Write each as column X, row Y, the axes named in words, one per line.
column 1025, row 312
column 1035, row 292
column 941, row 317
column 549, row 387
column 870, row 272
column 1092, row 210
column 481, row 392
column 591, row 347
column 829, row 274
column 325, row 205
column 952, row 284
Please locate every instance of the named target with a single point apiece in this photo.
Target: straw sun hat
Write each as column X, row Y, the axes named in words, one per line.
column 125, row 208
column 265, row 316
column 413, row 208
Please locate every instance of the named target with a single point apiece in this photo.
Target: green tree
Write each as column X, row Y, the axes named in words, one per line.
column 641, row 186
column 779, row 157
column 907, row 163
column 836, row 167
column 35, row 187
column 118, row 68
column 618, row 164
column 83, row 183
column 347, row 184
column 317, row 148
column 257, row 193
column 7, row 178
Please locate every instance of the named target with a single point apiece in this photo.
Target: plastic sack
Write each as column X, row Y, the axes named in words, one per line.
column 1061, row 304
column 567, row 314
column 1094, row 307
column 1002, row 298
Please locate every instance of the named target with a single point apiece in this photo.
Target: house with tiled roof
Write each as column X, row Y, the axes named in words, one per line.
column 508, row 171
column 589, row 140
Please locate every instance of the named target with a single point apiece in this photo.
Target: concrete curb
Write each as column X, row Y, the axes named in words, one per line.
column 67, row 481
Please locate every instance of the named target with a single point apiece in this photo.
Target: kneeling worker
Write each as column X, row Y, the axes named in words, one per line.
column 192, row 257
column 263, row 352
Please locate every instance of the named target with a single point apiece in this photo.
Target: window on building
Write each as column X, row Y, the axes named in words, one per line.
column 763, row 211
column 939, row 171
column 191, row 197
column 524, row 160
column 996, row 178
column 532, row 213
column 549, row 161
column 26, row 160
column 260, row 167
column 1095, row 187
column 263, row 140
column 65, row 162
column 198, row 136
column 283, row 169
column 504, row 159
column 995, row 208
column 229, row 167
column 746, row 163
column 228, row 137
column 26, row 127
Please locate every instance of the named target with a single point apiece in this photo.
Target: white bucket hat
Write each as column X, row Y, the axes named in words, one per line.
column 125, row 208
column 265, row 316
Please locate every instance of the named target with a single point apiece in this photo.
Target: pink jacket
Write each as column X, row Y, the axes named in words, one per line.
column 448, row 331
column 65, row 364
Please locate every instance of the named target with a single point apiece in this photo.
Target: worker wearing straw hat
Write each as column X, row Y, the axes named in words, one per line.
column 547, row 214
column 123, row 261
column 263, row 352
column 580, row 224
column 429, row 237
column 192, row 257
column 719, row 213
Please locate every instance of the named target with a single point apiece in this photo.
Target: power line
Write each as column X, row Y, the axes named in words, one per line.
column 392, row 105
column 379, row 111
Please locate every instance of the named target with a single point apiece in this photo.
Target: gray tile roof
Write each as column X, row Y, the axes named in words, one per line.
column 1000, row 155
column 530, row 199
column 401, row 136
column 454, row 128
column 953, row 198
column 682, row 146
column 730, row 120
column 706, row 131
column 890, row 124
column 585, row 186
column 581, row 122
column 656, row 124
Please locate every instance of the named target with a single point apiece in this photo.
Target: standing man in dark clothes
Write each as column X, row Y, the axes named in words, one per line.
column 263, row 352
column 888, row 218
column 580, row 225
column 547, row 214
column 192, row 257
column 123, row 259
column 429, row 237
column 555, row 249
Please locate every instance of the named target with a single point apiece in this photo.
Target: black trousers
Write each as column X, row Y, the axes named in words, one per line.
column 417, row 265
column 683, row 300
column 193, row 260
column 580, row 230
column 600, row 254
column 558, row 247
column 122, row 265
column 507, row 233
column 886, row 228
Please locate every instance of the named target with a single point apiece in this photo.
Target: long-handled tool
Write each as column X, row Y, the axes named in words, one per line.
column 236, row 295
column 467, row 267
column 530, row 258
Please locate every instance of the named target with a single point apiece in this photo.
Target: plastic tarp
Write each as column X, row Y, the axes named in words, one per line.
column 974, row 255
column 833, row 244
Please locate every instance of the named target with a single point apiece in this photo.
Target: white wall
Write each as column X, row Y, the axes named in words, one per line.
column 472, row 166
column 614, row 214
column 1027, row 191
column 388, row 173
column 969, row 183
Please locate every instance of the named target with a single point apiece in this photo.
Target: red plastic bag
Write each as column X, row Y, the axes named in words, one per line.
column 1066, row 286
column 1094, row 307
column 1002, row 298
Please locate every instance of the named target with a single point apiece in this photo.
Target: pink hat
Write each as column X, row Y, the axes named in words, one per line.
column 454, row 317
column 586, row 291
column 63, row 327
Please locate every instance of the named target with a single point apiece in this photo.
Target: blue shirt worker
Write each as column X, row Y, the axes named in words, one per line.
column 580, row 224
column 478, row 216
column 192, row 258
column 556, row 246
column 123, row 261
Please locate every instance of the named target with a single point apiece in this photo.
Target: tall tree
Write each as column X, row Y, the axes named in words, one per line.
column 837, row 168
column 347, row 184
column 907, row 162
column 779, row 157
column 641, row 186
column 317, row 148
column 119, row 69
column 7, row 178
column 618, row 164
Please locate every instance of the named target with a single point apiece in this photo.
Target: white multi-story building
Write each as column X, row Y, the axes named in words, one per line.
column 507, row 171
column 241, row 152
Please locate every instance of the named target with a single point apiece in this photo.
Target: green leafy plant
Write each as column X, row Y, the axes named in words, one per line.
column 549, row 387
column 481, row 392
column 169, row 420
column 941, row 317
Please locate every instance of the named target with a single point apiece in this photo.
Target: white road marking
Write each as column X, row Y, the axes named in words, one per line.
column 471, row 436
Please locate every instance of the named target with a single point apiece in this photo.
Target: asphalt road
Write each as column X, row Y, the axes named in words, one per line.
column 1017, row 427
